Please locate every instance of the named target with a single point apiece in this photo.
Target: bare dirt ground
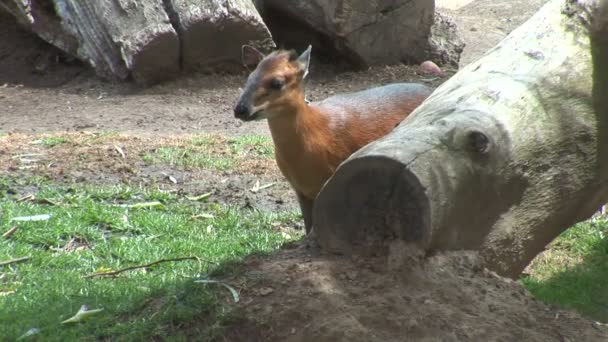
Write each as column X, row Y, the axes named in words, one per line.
column 43, row 91
column 302, row 295
column 299, row 294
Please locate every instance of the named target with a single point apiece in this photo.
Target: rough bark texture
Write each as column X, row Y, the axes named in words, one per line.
column 501, row 158
column 146, row 40
column 212, row 32
column 367, row 32
column 40, row 17
column 445, row 44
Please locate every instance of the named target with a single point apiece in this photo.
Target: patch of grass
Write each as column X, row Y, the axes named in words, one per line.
column 573, row 272
column 257, row 144
column 60, row 139
column 90, row 231
column 53, row 141
column 204, row 140
column 213, row 152
column 190, row 157
column 7, row 184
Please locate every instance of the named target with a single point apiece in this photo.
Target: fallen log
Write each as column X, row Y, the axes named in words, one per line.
column 213, row 32
column 149, row 40
column 366, row 32
column 502, row 158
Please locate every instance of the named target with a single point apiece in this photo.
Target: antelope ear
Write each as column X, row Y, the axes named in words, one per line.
column 304, row 61
column 250, row 56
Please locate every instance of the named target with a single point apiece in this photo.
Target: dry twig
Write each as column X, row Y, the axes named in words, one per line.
column 14, row 261
column 10, row 232
column 117, row 272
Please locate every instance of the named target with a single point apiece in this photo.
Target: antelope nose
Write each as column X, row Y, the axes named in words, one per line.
column 241, row 110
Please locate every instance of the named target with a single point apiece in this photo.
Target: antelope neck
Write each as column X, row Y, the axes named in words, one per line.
column 298, row 127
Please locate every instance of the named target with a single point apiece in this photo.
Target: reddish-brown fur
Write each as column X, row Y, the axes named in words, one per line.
column 311, row 140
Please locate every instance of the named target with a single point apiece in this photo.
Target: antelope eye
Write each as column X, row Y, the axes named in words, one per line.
column 276, row 84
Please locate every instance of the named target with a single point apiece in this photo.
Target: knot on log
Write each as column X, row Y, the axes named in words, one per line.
column 479, row 142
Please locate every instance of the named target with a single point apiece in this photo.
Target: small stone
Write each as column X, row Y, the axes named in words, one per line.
column 429, row 67
column 265, row 291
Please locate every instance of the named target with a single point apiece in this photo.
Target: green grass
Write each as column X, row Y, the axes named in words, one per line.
column 209, row 152
column 573, row 273
column 190, row 157
column 52, row 141
column 60, row 139
column 252, row 144
column 139, row 305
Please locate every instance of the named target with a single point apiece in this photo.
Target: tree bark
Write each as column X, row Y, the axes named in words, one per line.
column 502, row 158
column 368, row 32
column 213, row 32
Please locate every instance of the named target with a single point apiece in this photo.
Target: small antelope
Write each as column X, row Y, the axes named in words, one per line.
column 312, row 139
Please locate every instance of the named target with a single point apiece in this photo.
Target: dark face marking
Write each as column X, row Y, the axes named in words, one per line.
column 276, row 84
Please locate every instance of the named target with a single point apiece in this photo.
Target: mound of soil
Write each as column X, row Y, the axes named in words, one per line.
column 301, row 294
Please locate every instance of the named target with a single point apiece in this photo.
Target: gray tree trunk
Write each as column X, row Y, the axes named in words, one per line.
column 149, row 40
column 502, row 157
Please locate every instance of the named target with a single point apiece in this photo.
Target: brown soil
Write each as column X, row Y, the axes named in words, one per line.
column 298, row 294
column 40, row 92
column 303, row 295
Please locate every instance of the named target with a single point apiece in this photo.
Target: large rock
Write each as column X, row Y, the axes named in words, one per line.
column 366, row 32
column 148, row 40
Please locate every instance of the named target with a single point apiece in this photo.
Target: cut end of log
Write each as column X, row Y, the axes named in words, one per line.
column 157, row 62
column 355, row 216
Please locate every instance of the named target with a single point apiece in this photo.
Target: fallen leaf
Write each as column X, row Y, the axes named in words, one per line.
column 47, row 201
column 200, row 197
column 25, row 155
column 204, row 216
column 120, row 151
column 143, row 205
column 235, row 294
column 257, row 186
column 82, row 314
column 28, row 197
column 103, row 270
column 265, row 291
column 6, row 292
column 31, row 332
column 43, row 217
